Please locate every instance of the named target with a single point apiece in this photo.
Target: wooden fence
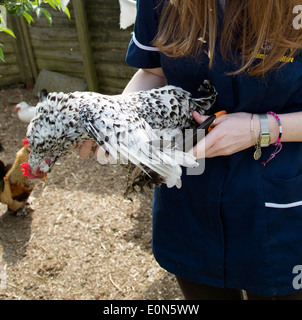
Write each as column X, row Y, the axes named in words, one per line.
column 90, row 45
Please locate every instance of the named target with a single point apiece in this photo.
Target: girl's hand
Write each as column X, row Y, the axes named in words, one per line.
column 86, row 148
column 230, row 133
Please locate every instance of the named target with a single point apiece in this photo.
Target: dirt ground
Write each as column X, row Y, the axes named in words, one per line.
column 82, row 240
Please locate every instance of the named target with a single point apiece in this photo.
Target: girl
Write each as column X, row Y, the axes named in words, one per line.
column 238, row 225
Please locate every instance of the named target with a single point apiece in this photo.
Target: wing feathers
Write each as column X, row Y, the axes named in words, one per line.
column 135, row 140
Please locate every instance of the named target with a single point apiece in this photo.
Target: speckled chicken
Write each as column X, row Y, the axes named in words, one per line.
column 130, row 127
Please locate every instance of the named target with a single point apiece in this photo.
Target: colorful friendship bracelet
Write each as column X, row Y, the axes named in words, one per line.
column 280, row 126
column 278, row 144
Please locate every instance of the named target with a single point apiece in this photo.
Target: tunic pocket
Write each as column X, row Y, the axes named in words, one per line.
column 283, row 212
column 283, row 193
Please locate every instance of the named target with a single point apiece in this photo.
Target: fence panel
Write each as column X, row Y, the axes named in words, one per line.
column 65, row 47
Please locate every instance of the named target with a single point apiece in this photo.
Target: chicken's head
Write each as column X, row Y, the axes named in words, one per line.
column 20, row 106
column 28, row 173
column 53, row 131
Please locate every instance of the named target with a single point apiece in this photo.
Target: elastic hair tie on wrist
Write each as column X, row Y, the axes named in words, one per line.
column 278, row 144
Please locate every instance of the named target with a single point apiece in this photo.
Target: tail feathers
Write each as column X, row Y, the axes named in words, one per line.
column 205, row 103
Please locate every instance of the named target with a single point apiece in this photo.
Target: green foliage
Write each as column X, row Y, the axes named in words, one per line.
column 27, row 9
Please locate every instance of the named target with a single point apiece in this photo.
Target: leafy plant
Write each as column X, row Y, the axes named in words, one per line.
column 27, row 9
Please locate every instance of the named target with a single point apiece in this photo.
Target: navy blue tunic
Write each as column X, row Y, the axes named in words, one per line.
column 239, row 224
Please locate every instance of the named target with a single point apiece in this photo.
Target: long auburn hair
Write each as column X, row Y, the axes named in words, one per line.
column 187, row 25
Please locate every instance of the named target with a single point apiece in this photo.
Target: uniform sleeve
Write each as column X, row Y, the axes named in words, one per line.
column 141, row 53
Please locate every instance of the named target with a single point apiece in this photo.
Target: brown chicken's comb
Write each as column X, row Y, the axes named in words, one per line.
column 25, row 141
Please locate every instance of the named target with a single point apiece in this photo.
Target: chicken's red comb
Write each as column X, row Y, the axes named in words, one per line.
column 27, row 171
column 25, row 141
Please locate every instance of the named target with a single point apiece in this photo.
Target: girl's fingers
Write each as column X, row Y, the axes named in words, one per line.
column 199, row 149
column 99, row 153
column 85, row 149
column 199, row 118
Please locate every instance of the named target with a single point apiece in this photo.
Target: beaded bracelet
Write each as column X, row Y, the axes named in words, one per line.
column 278, row 144
column 280, row 126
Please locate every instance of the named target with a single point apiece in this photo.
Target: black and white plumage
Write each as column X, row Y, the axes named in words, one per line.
column 128, row 127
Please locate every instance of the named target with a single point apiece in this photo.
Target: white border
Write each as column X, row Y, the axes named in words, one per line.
column 141, row 46
column 283, row 205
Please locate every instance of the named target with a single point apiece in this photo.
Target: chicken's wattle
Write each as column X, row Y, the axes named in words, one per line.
column 27, row 172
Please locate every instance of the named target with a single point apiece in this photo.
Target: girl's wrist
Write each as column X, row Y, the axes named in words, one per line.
column 273, row 127
column 269, row 124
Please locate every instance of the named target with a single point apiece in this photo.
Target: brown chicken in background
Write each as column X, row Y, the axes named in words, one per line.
column 15, row 188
